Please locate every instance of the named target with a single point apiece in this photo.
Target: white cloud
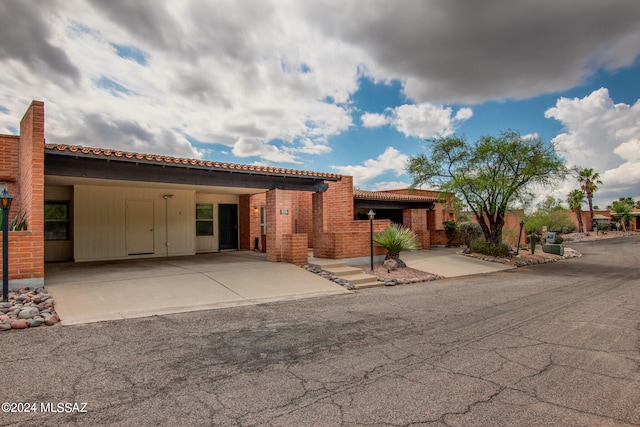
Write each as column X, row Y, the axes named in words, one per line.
column 234, row 73
column 423, row 120
column 391, row 160
column 249, row 147
column 389, row 185
column 602, row 135
column 374, row 120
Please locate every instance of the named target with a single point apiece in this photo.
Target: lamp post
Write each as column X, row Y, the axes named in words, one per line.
column 519, row 237
column 371, row 214
column 5, row 204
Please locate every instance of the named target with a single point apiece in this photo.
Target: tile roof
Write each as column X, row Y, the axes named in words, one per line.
column 104, row 153
column 381, row 195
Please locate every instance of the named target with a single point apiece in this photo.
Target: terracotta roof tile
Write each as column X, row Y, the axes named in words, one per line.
column 156, row 158
column 381, row 195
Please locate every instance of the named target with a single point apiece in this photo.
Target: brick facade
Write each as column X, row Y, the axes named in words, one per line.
column 336, row 233
column 22, row 168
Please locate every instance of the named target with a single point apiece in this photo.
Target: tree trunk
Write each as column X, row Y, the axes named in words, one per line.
column 578, row 213
column 590, row 201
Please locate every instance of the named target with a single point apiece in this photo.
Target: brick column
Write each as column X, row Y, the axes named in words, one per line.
column 26, row 248
column 279, row 214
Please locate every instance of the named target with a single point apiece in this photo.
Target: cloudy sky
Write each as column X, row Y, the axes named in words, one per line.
column 353, row 87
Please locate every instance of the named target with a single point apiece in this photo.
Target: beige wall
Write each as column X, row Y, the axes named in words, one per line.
column 100, row 223
column 210, row 244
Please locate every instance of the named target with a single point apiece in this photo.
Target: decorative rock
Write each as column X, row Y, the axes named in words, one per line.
column 35, row 322
column 51, row 320
column 20, row 324
column 390, row 264
column 28, row 313
column 5, row 326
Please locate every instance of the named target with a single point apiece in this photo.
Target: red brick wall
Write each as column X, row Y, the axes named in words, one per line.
column 26, row 248
column 336, row 233
column 416, row 220
column 295, row 248
column 9, row 169
column 435, row 218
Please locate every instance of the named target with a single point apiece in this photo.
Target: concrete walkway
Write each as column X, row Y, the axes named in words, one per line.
column 446, row 262
column 93, row 292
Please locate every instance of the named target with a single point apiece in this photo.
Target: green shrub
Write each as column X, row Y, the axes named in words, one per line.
column 469, row 231
column 481, row 246
column 559, row 222
column 451, row 230
column 396, row 239
column 559, row 240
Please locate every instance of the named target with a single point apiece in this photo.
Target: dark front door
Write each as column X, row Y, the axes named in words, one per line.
column 228, row 226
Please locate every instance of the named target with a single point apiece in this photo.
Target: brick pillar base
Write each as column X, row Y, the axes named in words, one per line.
column 295, row 248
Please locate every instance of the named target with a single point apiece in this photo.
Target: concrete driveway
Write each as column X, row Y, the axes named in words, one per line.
column 93, row 292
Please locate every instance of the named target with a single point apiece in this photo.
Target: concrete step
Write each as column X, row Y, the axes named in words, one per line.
column 361, row 278
column 325, row 263
column 344, row 271
column 372, row 284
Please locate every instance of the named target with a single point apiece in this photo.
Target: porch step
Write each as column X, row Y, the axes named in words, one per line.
column 341, row 269
column 326, row 263
column 363, row 280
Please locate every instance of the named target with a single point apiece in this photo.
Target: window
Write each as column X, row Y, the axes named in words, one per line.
column 56, row 220
column 204, row 220
column 263, row 220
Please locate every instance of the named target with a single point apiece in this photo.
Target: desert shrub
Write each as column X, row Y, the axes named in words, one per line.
column 559, row 222
column 451, row 230
column 481, row 246
column 469, row 231
column 558, row 240
column 396, row 239
column 604, row 226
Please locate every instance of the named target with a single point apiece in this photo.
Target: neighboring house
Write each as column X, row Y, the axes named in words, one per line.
column 95, row 204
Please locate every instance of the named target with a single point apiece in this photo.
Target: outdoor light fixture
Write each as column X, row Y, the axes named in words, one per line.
column 5, row 204
column 371, row 214
column 519, row 237
column 255, row 209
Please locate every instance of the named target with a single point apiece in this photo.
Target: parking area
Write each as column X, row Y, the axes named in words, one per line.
column 110, row 290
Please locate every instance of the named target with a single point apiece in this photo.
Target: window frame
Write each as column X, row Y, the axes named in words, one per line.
column 65, row 221
column 205, row 220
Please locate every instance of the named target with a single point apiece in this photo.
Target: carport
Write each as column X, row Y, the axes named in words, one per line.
column 112, row 290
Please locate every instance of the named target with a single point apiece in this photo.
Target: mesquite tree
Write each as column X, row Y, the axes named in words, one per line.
column 491, row 176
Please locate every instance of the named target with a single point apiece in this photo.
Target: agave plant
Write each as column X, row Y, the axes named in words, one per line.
column 396, row 239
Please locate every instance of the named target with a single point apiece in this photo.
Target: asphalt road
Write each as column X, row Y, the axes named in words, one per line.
column 555, row 344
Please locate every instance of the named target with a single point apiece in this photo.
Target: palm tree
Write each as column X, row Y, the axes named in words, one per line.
column 589, row 181
column 575, row 199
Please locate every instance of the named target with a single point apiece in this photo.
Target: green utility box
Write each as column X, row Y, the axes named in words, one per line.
column 552, row 248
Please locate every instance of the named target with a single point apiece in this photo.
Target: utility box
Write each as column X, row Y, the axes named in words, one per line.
column 551, row 237
column 553, row 249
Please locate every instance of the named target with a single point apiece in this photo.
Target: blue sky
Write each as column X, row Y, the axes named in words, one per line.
column 353, row 87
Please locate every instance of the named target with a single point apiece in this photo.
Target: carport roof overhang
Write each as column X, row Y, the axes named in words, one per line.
column 103, row 164
column 383, row 200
